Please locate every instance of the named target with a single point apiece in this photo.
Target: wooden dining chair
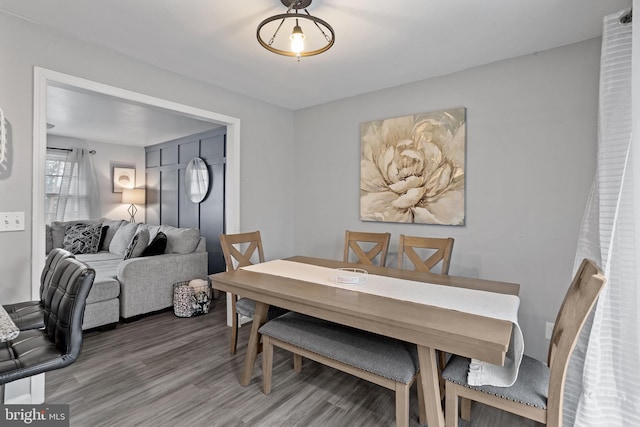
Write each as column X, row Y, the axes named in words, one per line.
column 241, row 250
column 366, row 247
column 538, row 391
column 425, row 253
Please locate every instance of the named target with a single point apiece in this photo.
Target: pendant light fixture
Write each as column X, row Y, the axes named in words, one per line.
column 319, row 37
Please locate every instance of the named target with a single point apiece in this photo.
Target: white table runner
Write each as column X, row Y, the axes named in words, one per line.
column 481, row 303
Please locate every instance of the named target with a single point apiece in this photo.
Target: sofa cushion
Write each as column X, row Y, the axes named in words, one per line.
column 138, row 244
column 122, row 238
column 180, row 240
column 157, row 245
column 113, row 225
column 82, row 238
column 105, row 285
column 104, row 288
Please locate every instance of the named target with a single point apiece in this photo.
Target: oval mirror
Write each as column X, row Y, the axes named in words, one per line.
column 196, row 182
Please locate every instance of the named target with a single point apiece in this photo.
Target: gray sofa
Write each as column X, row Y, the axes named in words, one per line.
column 143, row 283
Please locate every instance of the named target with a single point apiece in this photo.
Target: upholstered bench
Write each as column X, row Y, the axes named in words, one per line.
column 384, row 361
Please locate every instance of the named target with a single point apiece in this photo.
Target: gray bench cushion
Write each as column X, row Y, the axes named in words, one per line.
column 530, row 388
column 382, row 356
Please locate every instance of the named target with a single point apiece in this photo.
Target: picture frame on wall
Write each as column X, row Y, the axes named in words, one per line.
column 123, row 178
column 412, row 168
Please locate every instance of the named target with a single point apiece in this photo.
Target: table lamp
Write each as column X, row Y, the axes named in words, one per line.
column 133, row 197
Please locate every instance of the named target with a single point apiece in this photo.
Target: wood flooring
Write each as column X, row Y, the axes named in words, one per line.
column 167, row 371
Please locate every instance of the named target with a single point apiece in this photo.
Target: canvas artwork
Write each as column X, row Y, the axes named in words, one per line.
column 412, row 168
column 123, row 178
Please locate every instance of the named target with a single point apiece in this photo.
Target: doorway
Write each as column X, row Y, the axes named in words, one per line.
column 43, row 78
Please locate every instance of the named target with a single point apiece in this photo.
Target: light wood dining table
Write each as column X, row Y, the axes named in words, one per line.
column 429, row 327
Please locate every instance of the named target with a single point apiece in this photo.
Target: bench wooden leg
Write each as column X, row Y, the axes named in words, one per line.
column 267, row 364
column 297, row 363
column 402, row 404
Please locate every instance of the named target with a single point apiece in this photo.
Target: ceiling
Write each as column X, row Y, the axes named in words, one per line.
column 379, row 43
column 96, row 117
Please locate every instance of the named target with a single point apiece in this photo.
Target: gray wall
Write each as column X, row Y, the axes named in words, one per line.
column 266, row 136
column 106, row 157
column 531, row 138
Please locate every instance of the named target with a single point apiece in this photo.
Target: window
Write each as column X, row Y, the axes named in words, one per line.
column 54, row 169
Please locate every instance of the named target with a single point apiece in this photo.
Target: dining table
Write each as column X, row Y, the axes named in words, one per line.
column 430, row 327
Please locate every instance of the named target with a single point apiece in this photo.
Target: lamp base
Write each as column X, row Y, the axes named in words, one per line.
column 132, row 211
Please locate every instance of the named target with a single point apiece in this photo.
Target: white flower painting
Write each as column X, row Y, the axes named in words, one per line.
column 412, row 168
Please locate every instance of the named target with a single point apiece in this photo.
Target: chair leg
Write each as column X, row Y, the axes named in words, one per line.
column 267, row 364
column 234, row 334
column 421, row 407
column 442, row 363
column 297, row 363
column 402, row 404
column 465, row 409
column 451, row 407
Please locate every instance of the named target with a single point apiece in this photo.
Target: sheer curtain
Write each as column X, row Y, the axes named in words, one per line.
column 79, row 195
column 604, row 375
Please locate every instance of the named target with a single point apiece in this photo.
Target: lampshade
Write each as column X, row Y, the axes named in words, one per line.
column 293, row 40
column 133, row 196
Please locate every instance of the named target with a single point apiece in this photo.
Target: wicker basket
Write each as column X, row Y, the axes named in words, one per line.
column 189, row 301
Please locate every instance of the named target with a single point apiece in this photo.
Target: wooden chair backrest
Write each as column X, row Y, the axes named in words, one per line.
column 354, row 240
column 576, row 306
column 442, row 247
column 241, row 248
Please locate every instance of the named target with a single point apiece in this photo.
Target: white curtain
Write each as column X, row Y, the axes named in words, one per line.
column 79, row 194
column 603, row 381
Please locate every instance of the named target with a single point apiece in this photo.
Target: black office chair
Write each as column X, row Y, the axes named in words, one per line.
column 30, row 314
column 59, row 343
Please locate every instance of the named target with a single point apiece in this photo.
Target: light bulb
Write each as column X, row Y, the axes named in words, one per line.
column 297, row 39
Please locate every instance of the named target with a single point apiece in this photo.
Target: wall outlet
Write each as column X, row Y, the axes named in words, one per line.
column 11, row 221
column 548, row 330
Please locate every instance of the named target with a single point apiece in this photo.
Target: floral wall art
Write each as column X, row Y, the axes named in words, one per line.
column 412, row 168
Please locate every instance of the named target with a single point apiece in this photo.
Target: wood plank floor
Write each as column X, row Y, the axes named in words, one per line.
column 167, row 371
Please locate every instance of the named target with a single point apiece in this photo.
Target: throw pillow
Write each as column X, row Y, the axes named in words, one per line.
column 114, row 225
column 122, row 238
column 157, row 245
column 105, row 229
column 82, row 238
column 59, row 228
column 138, row 244
column 153, row 230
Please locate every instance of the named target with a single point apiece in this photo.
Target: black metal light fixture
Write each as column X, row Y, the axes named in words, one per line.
column 300, row 44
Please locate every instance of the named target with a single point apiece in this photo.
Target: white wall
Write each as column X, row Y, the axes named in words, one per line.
column 266, row 131
column 107, row 157
column 531, row 138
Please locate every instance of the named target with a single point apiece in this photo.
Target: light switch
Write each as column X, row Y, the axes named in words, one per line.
column 11, row 221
